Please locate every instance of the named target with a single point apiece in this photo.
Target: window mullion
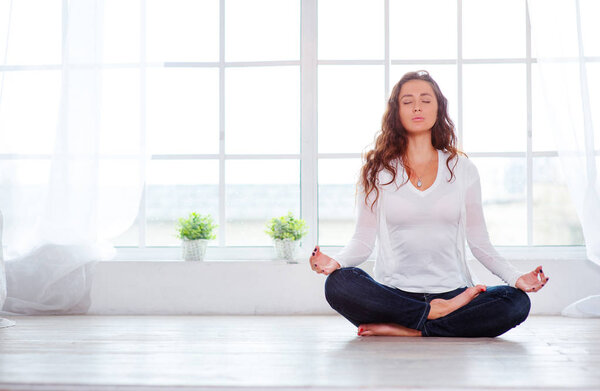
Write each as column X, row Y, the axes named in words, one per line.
column 222, row 212
column 529, row 131
column 143, row 137
column 308, row 129
column 386, row 15
column 459, row 74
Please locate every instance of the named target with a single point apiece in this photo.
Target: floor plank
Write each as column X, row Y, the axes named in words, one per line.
column 288, row 352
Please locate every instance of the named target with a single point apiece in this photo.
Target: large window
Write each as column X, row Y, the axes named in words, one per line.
column 253, row 108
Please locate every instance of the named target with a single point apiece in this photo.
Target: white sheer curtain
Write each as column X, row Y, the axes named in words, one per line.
column 3, row 322
column 57, row 229
column 565, row 36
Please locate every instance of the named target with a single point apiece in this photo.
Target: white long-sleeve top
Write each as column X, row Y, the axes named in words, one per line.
column 421, row 234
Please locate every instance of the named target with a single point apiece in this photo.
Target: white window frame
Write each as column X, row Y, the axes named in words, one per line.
column 309, row 154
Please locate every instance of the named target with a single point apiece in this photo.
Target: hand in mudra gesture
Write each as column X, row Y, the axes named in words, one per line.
column 532, row 281
column 321, row 263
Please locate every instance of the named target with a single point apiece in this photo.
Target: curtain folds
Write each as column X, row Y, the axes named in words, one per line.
column 58, row 228
column 572, row 99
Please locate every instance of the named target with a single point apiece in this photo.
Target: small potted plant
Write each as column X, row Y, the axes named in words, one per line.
column 195, row 232
column 286, row 232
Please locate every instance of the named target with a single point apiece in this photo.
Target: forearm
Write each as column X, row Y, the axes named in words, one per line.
column 357, row 250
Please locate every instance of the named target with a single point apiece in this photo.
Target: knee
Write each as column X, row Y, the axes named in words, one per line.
column 523, row 304
column 337, row 283
column 520, row 304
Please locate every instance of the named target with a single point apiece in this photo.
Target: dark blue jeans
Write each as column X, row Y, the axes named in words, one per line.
column 360, row 299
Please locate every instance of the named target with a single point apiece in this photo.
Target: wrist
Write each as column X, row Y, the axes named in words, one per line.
column 338, row 266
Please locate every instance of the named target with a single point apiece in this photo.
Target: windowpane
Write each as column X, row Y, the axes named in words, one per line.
column 183, row 110
column 593, row 73
column 35, row 32
column 493, row 28
column 562, row 113
column 444, row 75
column 411, row 39
column 120, row 181
column 121, row 30
column 351, row 105
column 120, row 122
column 174, row 189
column 337, row 205
column 262, row 30
column 27, row 92
column 555, row 220
column 351, row 29
column 182, row 30
column 495, row 110
column 504, row 198
column 258, row 190
column 557, row 27
column 129, row 238
column 543, row 135
column 25, row 185
column 262, row 109
column 4, row 20
column 590, row 28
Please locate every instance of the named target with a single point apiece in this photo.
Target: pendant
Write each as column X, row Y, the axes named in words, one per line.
column 419, row 183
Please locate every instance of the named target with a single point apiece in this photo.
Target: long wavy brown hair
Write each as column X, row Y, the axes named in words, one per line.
column 391, row 141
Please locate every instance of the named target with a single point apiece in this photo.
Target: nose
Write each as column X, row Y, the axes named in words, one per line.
column 416, row 108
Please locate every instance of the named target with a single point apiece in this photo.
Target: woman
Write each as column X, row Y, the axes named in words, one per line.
column 421, row 198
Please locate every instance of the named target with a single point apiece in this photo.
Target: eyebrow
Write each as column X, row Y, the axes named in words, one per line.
column 410, row 95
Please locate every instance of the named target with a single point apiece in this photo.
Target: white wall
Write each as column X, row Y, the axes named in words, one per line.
column 163, row 287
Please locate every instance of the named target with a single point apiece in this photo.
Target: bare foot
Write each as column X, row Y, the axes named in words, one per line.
column 391, row 329
column 441, row 307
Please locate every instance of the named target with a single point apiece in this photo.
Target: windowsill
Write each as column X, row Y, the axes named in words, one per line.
column 264, row 255
column 245, row 287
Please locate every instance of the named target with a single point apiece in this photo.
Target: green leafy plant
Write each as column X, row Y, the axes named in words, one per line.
column 196, row 226
column 286, row 227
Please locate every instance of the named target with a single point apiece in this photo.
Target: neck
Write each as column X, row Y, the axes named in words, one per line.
column 420, row 149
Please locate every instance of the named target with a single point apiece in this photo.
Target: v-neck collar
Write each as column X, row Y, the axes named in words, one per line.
column 423, row 193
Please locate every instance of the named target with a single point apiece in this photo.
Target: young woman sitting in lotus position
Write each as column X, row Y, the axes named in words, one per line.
column 420, row 197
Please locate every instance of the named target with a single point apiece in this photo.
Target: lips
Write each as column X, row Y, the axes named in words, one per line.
column 418, row 118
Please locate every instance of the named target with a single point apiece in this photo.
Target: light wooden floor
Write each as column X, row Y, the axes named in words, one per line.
column 288, row 353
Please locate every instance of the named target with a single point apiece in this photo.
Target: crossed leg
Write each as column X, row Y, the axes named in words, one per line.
column 438, row 309
column 377, row 309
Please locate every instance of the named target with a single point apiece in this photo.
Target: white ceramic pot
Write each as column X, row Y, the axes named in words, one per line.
column 194, row 250
column 286, row 249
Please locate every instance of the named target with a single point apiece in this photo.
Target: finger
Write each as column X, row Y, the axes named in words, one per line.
column 542, row 276
column 536, row 287
column 317, row 250
column 538, row 270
